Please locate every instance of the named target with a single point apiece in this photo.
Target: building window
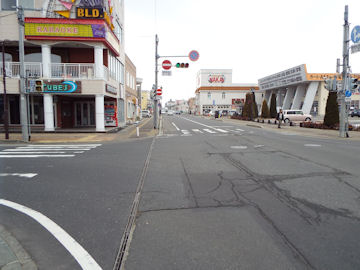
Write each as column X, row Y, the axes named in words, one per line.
column 209, row 95
column 223, row 95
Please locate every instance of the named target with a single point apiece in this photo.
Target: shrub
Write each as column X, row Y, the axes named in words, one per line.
column 265, row 110
column 273, row 111
column 331, row 118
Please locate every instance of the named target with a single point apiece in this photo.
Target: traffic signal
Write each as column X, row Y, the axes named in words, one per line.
column 182, row 65
column 353, row 84
column 39, row 86
column 328, row 84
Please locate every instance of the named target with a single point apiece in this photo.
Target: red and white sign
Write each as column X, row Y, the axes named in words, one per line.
column 216, row 78
column 166, row 64
column 194, row 55
column 159, row 92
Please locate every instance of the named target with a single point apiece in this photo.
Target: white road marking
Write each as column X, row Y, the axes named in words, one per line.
column 258, row 145
column 197, row 130
column 312, row 145
column 209, row 130
column 26, row 175
column 48, row 149
column 175, row 126
column 221, row 130
column 76, row 250
column 16, row 152
column 64, row 145
column 185, row 132
column 239, row 129
column 33, row 156
column 239, row 147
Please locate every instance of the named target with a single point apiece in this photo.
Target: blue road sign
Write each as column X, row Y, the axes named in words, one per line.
column 194, row 55
column 355, row 34
column 347, row 93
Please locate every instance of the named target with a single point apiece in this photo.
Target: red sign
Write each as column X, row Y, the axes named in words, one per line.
column 166, row 64
column 215, row 78
column 194, row 55
column 159, row 92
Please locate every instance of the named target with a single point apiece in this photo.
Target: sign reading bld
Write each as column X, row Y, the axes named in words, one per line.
column 86, row 13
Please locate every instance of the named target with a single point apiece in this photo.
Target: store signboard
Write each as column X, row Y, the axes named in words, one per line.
column 62, row 87
column 110, row 89
column 65, row 30
column 284, row 78
column 216, row 78
column 89, row 13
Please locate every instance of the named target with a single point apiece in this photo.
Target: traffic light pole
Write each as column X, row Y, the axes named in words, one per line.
column 23, row 99
column 156, row 107
column 343, row 127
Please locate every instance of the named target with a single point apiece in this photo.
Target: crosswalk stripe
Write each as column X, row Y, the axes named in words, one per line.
column 184, row 131
column 197, row 130
column 209, row 130
column 221, row 130
column 33, row 156
column 239, row 129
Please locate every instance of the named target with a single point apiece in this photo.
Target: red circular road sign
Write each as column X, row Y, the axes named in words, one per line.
column 166, row 64
column 159, row 92
column 194, row 55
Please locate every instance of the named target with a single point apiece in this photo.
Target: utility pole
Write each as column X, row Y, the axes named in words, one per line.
column 156, row 107
column 341, row 93
column 23, row 100
column 6, row 109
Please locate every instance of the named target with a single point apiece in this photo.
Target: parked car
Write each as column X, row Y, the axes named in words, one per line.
column 355, row 112
column 296, row 115
column 170, row 112
column 145, row 113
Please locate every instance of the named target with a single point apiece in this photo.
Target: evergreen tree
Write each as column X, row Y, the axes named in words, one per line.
column 273, row 111
column 255, row 107
column 331, row 118
column 246, row 112
column 265, row 110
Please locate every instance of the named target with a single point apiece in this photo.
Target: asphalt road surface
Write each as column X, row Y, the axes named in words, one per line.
column 225, row 196
column 203, row 194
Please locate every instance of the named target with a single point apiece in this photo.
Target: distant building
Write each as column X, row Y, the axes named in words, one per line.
column 192, row 105
column 130, row 91
column 296, row 89
column 146, row 103
column 215, row 91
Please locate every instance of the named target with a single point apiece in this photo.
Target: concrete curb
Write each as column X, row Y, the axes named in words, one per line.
column 14, row 255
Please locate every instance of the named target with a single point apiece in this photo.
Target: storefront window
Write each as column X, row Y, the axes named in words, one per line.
column 209, row 95
column 36, row 110
column 223, row 95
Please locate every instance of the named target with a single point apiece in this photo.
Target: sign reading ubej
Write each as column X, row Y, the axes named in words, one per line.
column 61, row 87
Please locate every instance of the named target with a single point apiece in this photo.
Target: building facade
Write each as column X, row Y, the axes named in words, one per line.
column 215, row 91
column 295, row 88
column 131, row 92
column 76, row 50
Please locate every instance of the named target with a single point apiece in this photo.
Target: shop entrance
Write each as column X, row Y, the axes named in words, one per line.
column 85, row 113
column 66, row 114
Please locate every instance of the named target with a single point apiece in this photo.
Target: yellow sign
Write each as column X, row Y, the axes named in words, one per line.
column 93, row 13
column 56, row 30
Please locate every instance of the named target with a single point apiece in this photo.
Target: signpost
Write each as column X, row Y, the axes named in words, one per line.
column 159, row 92
column 194, row 55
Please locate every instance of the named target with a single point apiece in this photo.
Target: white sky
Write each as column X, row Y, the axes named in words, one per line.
column 254, row 38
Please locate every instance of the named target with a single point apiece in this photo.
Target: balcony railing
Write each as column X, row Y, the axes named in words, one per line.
column 57, row 70
column 71, row 71
column 12, row 69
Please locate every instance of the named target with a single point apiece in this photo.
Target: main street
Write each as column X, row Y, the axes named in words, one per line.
column 212, row 194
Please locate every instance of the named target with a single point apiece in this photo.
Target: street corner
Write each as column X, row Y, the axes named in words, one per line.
column 13, row 255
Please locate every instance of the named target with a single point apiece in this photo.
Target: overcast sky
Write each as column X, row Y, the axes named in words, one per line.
column 254, row 38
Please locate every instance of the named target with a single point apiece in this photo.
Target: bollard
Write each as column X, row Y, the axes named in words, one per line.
column 137, row 132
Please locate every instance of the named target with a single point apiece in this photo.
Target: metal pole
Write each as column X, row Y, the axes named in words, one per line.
column 341, row 93
column 23, row 101
column 156, row 109
column 6, row 110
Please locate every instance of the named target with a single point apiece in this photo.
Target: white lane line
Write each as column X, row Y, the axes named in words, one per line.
column 258, row 145
column 185, row 132
column 17, row 152
column 223, row 126
column 47, row 149
column 209, row 130
column 239, row 129
column 33, row 156
column 238, row 147
column 76, row 250
column 221, row 130
column 26, row 175
column 312, row 145
column 175, row 126
column 63, row 145
column 197, row 131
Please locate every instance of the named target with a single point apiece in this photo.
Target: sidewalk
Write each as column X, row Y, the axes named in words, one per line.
column 296, row 130
column 12, row 255
column 129, row 132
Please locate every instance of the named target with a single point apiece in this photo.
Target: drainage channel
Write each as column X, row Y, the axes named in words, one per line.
column 125, row 240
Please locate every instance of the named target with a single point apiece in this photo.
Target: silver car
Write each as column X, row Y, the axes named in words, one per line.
column 295, row 115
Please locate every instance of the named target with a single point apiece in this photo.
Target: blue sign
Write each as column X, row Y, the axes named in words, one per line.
column 355, row 34
column 347, row 93
column 60, row 87
column 194, row 55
